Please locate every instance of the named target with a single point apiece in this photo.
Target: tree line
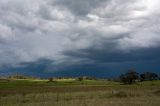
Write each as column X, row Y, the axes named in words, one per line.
column 132, row 76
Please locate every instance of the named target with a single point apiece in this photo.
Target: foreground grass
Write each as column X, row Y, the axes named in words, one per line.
column 96, row 98
column 76, row 93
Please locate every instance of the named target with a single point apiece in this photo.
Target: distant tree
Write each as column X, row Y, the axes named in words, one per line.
column 129, row 77
column 123, row 78
column 142, row 77
column 153, row 76
column 80, row 78
column 150, row 76
column 50, row 79
column 91, row 78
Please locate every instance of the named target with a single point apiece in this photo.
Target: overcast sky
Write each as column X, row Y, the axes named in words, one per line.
column 84, row 35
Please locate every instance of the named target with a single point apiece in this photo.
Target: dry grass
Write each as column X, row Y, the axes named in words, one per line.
column 128, row 97
column 100, row 94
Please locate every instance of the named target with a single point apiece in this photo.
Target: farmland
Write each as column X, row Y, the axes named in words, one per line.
column 71, row 92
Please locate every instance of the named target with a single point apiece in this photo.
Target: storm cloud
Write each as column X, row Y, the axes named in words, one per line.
column 78, row 34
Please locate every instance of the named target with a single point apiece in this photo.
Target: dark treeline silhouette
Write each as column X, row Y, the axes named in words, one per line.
column 149, row 76
column 132, row 76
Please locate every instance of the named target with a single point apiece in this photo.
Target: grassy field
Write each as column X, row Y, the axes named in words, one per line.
column 71, row 92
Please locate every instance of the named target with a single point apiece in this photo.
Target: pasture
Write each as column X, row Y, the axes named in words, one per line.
column 71, row 92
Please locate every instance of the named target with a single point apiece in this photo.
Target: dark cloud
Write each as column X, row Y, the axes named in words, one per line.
column 85, row 34
column 106, row 56
column 82, row 7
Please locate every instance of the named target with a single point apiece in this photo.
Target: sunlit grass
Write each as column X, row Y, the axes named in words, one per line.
column 71, row 92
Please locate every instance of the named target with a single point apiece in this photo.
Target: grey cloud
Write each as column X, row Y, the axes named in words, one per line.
column 81, row 7
column 6, row 33
column 105, row 56
column 58, row 29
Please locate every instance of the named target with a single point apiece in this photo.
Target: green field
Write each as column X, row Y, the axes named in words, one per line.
column 70, row 92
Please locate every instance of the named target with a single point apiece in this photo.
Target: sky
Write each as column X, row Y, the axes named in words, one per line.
column 101, row 38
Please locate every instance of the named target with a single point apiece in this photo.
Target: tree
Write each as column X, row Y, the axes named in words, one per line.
column 50, row 79
column 123, row 78
column 129, row 77
column 80, row 78
column 148, row 76
column 142, row 77
column 153, row 76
